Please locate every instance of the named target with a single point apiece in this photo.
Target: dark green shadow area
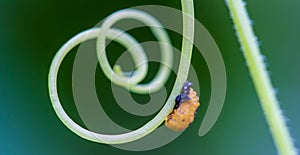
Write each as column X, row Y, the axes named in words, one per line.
column 32, row 31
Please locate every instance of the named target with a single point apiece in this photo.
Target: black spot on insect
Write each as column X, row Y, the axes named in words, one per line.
column 184, row 98
column 177, row 102
column 183, row 120
column 196, row 111
column 176, row 106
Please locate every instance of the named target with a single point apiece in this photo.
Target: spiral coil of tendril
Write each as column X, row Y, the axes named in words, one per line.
column 120, row 78
column 136, row 52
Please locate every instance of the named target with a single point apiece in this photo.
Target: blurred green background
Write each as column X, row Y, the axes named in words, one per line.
column 32, row 31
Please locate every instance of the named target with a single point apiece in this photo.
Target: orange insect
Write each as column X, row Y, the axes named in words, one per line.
column 185, row 109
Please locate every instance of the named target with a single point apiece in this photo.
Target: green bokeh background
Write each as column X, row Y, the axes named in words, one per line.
column 32, row 31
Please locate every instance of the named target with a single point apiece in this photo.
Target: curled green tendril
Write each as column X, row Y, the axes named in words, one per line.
column 120, row 78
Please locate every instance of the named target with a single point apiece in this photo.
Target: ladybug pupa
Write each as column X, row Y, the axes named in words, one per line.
column 185, row 109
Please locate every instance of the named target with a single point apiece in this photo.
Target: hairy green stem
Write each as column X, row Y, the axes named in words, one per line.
column 260, row 78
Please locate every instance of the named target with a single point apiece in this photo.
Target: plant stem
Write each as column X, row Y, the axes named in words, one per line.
column 261, row 80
